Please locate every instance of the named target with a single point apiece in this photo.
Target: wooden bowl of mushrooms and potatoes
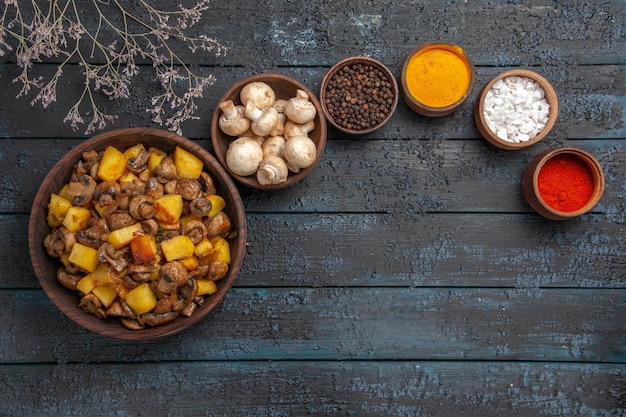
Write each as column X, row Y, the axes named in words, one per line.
column 137, row 233
column 268, row 131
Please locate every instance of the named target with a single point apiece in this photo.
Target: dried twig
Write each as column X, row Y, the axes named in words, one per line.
column 56, row 32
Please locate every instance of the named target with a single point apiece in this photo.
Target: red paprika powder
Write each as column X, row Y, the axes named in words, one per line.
column 565, row 183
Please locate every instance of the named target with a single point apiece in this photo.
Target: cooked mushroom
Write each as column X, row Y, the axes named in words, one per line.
column 134, row 188
column 138, row 274
column 106, row 193
column 166, row 170
column 59, row 241
column 186, row 295
column 150, row 227
column 120, row 219
column 200, row 206
column 156, row 319
column 195, row 230
column 171, row 187
column 154, row 189
column 117, row 258
column 208, row 186
column 189, row 309
column 82, row 190
column 189, row 189
column 164, row 305
column 219, row 225
column 172, row 275
column 132, row 324
column 95, row 235
column 217, row 270
column 140, row 162
column 119, row 308
column 92, row 304
column 68, row 279
column 142, row 207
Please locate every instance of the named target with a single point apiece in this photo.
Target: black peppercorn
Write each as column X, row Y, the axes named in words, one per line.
column 359, row 96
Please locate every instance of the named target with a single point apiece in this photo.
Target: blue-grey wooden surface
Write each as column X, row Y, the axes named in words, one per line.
column 406, row 276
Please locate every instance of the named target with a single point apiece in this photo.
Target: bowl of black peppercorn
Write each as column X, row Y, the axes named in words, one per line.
column 358, row 95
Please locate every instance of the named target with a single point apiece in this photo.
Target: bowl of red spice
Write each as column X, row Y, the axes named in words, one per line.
column 516, row 109
column 563, row 183
column 358, row 95
column 437, row 77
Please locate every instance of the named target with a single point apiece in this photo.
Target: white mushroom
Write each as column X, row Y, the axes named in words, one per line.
column 295, row 129
column 273, row 145
column 279, row 127
column 300, row 152
column 232, row 120
column 244, row 156
column 263, row 121
column 272, row 170
column 258, row 93
column 299, row 108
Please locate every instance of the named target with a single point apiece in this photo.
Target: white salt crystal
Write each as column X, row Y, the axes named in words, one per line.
column 516, row 109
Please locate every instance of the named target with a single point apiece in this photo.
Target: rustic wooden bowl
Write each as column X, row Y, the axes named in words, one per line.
column 531, row 190
column 46, row 267
column 490, row 136
column 425, row 109
column 325, row 93
column 284, row 87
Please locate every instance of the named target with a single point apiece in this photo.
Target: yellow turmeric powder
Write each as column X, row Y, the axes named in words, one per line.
column 438, row 76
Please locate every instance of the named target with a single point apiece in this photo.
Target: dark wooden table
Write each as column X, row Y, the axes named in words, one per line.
column 406, row 276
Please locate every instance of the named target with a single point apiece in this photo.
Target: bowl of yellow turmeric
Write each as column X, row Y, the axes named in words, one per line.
column 137, row 233
column 436, row 79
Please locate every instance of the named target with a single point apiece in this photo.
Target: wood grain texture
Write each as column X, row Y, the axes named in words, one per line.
column 405, row 276
column 337, row 388
column 400, row 177
column 591, row 104
column 310, row 324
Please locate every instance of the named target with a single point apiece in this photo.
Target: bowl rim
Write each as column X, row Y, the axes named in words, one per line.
column 550, row 95
column 60, row 295
column 268, row 78
column 353, row 60
column 532, row 177
column 425, row 109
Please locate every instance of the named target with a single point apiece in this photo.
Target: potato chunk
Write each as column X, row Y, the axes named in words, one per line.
column 84, row 257
column 122, row 237
column 188, row 165
column 178, row 247
column 206, row 287
column 221, row 250
column 155, row 158
column 141, row 299
column 168, row 208
column 76, row 218
column 144, row 249
column 57, row 209
column 112, row 165
column 217, row 205
column 106, row 295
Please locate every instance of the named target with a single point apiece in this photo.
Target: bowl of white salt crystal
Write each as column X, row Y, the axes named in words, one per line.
column 516, row 109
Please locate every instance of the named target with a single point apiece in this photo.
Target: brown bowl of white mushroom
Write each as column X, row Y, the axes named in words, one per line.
column 268, row 131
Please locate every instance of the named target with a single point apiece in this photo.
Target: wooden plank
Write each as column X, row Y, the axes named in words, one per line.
column 591, row 104
column 321, row 33
column 373, row 324
column 344, row 388
column 406, row 177
column 433, row 250
column 465, row 250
